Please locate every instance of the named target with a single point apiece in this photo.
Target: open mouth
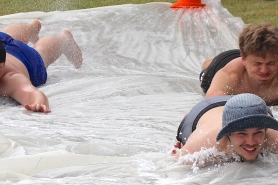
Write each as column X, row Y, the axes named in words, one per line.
column 264, row 75
column 250, row 152
column 250, row 149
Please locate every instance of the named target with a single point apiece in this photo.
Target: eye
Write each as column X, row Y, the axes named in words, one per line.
column 271, row 63
column 258, row 132
column 241, row 134
column 257, row 63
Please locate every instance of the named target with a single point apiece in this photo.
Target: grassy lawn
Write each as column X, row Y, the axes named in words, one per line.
column 251, row 11
column 16, row 6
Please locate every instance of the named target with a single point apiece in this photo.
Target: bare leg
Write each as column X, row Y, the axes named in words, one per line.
column 52, row 47
column 206, row 64
column 24, row 32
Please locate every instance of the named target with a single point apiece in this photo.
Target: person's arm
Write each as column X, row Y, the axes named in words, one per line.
column 219, row 85
column 224, row 83
column 226, row 80
column 197, row 142
column 271, row 141
column 19, row 87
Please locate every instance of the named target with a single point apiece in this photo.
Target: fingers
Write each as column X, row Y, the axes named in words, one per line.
column 173, row 152
column 177, row 146
column 37, row 108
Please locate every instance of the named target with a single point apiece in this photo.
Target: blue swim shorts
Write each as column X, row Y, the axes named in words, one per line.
column 189, row 123
column 28, row 56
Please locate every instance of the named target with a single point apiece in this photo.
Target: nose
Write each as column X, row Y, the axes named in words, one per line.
column 250, row 140
column 264, row 69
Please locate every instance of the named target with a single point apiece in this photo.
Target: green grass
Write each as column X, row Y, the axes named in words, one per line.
column 251, row 11
column 16, row 6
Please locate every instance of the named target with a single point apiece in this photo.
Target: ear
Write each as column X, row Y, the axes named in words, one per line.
column 243, row 59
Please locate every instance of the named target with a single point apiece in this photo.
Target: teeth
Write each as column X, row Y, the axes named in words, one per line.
column 250, row 149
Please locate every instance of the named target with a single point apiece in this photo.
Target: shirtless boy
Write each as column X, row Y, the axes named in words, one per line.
column 23, row 68
column 240, row 128
column 251, row 69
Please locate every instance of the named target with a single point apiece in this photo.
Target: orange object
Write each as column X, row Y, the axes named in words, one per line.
column 188, row 4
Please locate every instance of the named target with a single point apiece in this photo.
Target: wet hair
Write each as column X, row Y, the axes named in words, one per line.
column 259, row 40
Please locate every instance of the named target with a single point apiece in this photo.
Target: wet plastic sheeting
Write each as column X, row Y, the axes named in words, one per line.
column 114, row 120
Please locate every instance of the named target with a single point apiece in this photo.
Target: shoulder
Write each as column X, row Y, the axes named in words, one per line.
column 227, row 79
column 271, row 141
column 232, row 72
column 223, row 145
column 234, row 67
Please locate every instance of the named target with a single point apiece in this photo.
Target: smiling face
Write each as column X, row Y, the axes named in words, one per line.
column 248, row 143
column 261, row 70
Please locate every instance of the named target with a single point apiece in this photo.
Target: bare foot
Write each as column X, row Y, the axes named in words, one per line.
column 24, row 32
column 36, row 27
column 72, row 50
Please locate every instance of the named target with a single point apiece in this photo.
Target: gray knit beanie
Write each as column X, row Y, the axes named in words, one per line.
column 245, row 111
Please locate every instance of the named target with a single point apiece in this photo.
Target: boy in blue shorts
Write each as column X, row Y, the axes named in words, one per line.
column 23, row 68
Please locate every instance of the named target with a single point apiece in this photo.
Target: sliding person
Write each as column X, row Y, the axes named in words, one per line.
column 251, row 69
column 237, row 128
column 23, row 68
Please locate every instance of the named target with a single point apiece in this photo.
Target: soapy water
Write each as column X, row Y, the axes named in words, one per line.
column 114, row 120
